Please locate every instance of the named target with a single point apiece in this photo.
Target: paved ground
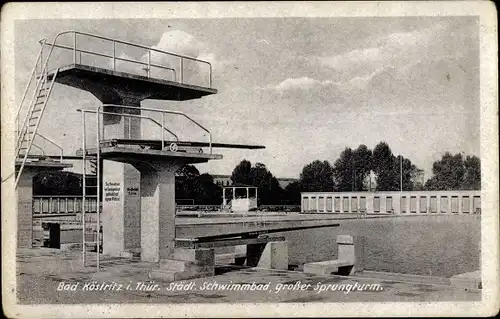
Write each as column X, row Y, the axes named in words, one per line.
column 41, row 271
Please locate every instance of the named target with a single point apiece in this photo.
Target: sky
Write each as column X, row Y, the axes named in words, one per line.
column 306, row 88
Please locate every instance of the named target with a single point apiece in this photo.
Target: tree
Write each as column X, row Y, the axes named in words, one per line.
column 206, row 192
column 185, row 179
column 383, row 164
column 268, row 188
column 411, row 174
column 291, row 194
column 241, row 173
column 267, row 185
column 58, row 183
column 343, row 171
column 351, row 169
column 317, row 177
column 472, row 175
column 189, row 184
column 451, row 172
column 362, row 157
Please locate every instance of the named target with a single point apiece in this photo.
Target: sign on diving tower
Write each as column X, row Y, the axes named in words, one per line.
column 136, row 174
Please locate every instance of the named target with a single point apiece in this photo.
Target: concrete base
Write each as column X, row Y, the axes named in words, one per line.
column 349, row 261
column 186, row 264
column 231, row 255
column 328, row 267
column 273, row 255
column 468, row 280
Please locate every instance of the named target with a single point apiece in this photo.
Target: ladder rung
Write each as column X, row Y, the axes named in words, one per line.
column 39, row 103
column 31, row 125
column 36, row 110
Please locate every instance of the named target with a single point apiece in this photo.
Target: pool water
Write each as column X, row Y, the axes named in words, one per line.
column 423, row 245
column 436, row 246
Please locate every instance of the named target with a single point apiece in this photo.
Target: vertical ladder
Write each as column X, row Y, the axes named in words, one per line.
column 34, row 114
column 91, row 227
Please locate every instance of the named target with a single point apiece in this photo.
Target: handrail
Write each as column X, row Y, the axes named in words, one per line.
column 117, row 58
column 41, row 149
column 166, row 112
column 133, row 115
column 114, row 41
column 53, row 143
column 32, row 76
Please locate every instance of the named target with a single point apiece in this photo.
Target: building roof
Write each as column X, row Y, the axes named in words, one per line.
column 240, row 185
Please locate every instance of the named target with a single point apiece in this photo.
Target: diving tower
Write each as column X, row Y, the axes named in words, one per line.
column 137, row 174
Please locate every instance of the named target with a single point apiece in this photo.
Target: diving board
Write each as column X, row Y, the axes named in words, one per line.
column 157, row 144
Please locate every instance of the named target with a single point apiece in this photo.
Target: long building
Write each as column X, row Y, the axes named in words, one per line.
column 406, row 202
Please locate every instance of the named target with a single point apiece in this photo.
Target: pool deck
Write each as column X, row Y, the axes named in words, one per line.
column 41, row 271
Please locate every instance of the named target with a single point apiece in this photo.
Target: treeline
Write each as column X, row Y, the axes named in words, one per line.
column 359, row 169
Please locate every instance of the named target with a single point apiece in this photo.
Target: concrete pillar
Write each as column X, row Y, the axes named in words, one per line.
column 350, row 248
column 369, row 203
column 471, row 203
column 396, row 204
column 25, row 209
column 273, row 255
column 157, row 212
column 121, row 186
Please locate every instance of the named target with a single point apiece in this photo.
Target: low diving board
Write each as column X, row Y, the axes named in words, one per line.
column 241, row 238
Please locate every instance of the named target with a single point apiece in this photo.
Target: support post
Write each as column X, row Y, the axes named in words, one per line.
column 25, row 209
column 121, row 203
column 157, row 212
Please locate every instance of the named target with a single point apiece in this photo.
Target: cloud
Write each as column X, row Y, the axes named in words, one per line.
column 397, row 49
column 368, row 55
column 304, row 83
column 177, row 43
column 306, row 89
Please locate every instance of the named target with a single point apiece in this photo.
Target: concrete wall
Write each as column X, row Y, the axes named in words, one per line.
column 408, row 202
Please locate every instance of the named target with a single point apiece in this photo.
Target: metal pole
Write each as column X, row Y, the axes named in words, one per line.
column 401, row 173
column 114, row 56
column 149, row 63
column 74, row 47
column 182, row 71
column 83, row 186
column 98, row 157
column 162, row 130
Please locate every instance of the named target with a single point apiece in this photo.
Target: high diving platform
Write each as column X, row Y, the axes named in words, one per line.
column 108, row 85
column 135, row 175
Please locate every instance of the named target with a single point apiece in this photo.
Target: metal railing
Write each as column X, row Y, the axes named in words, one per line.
column 53, row 143
column 100, row 132
column 32, row 76
column 114, row 58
